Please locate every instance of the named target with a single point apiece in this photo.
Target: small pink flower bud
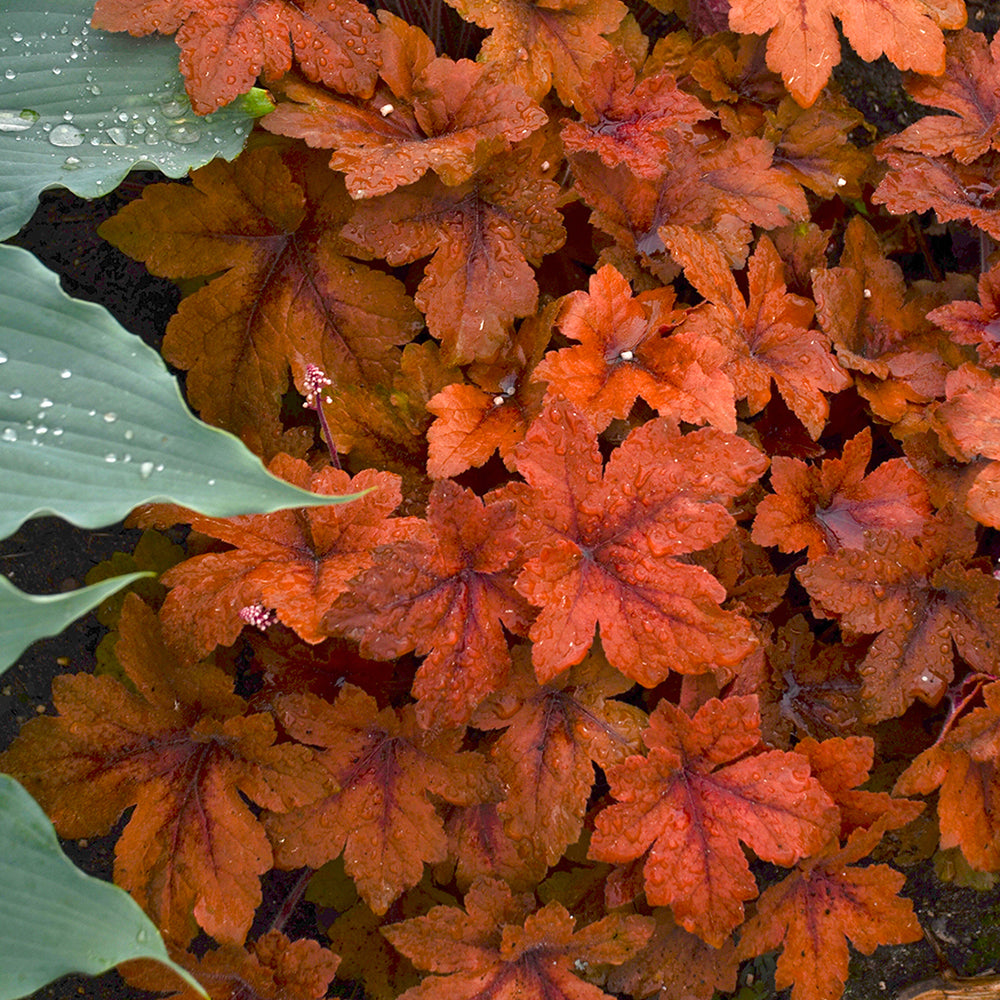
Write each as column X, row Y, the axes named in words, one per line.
column 258, row 616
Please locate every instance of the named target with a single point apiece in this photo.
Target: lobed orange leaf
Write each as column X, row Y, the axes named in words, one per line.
column 705, row 787
column 381, row 769
column 803, row 45
column 272, row 968
column 623, row 355
column 554, row 735
column 453, row 118
column 718, row 188
column 968, row 89
column 494, row 412
column 813, row 912
column 497, row 946
column 483, row 234
column 768, row 337
column 180, row 747
column 919, row 599
column 625, row 121
column 540, row 46
column 226, row 46
column 286, row 296
column 917, row 183
column 452, row 587
column 964, row 767
column 836, row 504
column 294, row 562
column 606, row 545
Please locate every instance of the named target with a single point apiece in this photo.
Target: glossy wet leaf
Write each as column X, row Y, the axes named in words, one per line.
column 54, row 919
column 27, row 617
column 92, row 425
column 80, row 108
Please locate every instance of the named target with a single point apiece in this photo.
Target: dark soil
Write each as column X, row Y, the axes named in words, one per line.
column 48, row 555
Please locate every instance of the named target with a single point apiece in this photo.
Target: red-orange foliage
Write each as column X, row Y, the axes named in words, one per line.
column 681, row 494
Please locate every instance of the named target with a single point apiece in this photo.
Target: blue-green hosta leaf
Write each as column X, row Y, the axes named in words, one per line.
column 27, row 617
column 54, row 919
column 92, row 424
column 79, row 108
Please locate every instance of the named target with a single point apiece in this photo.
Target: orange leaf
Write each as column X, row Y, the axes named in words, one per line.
column 813, row 912
column 607, row 545
column 964, row 767
column 624, row 121
column 382, row 769
column 452, row 121
column 803, row 45
column 968, row 89
column 768, row 337
column 272, row 968
column 538, row 47
column 181, row 749
column 554, row 735
column 225, row 47
column 483, row 234
column 296, row 562
column 497, row 946
column 622, row 355
column 452, row 588
column 836, row 505
column 703, row 788
column 286, row 297
column 919, row 598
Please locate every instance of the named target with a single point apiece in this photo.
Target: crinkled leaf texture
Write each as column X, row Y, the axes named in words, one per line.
column 452, row 588
column 604, row 545
column 54, row 919
column 705, row 787
column 224, row 47
column 498, row 947
column 180, row 747
column 381, row 770
column 813, row 912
